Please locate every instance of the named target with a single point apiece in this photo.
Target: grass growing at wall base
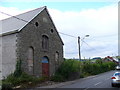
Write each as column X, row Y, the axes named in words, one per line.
column 23, row 81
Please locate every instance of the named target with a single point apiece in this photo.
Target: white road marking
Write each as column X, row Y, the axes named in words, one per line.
column 97, row 83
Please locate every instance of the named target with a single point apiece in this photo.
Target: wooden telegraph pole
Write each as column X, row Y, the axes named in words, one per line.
column 79, row 48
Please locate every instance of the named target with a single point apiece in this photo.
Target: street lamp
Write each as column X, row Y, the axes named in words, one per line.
column 79, row 45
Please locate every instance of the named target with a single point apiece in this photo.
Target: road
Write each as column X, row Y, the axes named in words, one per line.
column 98, row 81
column 101, row 81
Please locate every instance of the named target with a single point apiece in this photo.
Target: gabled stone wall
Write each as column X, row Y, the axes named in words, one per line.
column 31, row 36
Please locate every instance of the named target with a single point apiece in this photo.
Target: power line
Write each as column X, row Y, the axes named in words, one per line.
column 28, row 21
column 13, row 16
column 58, row 32
column 90, row 46
column 67, row 35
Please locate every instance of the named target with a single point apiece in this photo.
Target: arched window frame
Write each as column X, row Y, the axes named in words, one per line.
column 30, row 59
column 57, row 56
column 45, row 42
column 45, row 59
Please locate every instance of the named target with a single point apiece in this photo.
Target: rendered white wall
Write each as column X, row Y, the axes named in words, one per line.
column 8, row 54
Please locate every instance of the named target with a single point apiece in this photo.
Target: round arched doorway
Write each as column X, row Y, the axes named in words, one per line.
column 45, row 66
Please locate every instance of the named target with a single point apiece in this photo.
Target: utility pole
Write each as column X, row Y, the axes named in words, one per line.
column 79, row 45
column 79, row 48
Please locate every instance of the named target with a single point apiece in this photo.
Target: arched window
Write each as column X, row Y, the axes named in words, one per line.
column 45, row 42
column 56, row 56
column 30, row 60
column 45, row 59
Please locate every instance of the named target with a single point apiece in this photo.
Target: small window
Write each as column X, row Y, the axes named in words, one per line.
column 51, row 30
column 36, row 24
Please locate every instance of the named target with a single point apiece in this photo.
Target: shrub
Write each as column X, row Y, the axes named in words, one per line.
column 18, row 70
column 98, row 67
column 99, row 61
column 6, row 86
column 67, row 67
column 64, row 71
column 57, row 78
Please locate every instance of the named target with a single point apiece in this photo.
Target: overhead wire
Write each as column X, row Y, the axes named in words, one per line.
column 58, row 32
column 89, row 45
column 13, row 16
column 68, row 35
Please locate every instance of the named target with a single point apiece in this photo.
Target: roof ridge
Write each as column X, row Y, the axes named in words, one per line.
column 17, row 22
column 23, row 13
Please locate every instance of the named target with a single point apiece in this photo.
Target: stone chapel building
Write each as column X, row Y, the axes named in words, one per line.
column 32, row 38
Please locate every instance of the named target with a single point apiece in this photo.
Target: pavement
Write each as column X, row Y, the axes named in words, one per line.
column 65, row 83
column 97, row 81
column 102, row 80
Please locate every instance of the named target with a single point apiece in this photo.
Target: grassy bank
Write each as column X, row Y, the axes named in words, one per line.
column 23, row 81
column 77, row 69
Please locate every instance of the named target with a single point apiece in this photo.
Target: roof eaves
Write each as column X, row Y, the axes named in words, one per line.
column 54, row 25
column 32, row 18
column 9, row 33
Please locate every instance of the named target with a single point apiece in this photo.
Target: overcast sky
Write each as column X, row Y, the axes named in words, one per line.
column 97, row 19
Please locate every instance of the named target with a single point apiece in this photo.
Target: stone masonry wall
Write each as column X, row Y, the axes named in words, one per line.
column 31, row 36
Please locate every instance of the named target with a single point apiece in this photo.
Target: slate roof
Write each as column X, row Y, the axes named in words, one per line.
column 16, row 23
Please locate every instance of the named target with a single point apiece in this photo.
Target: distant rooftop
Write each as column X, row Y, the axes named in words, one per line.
column 97, row 58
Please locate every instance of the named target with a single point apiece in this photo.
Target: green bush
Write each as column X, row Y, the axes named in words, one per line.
column 98, row 67
column 6, row 86
column 67, row 67
column 99, row 61
column 57, row 78
column 85, row 68
column 18, row 70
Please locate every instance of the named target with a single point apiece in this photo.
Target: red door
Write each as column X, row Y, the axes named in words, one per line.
column 45, row 67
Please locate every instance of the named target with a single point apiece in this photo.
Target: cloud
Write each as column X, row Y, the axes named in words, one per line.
column 11, row 11
column 100, row 21
column 101, row 24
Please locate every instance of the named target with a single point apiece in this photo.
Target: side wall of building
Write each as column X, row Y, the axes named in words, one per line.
column 31, row 36
column 8, row 49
